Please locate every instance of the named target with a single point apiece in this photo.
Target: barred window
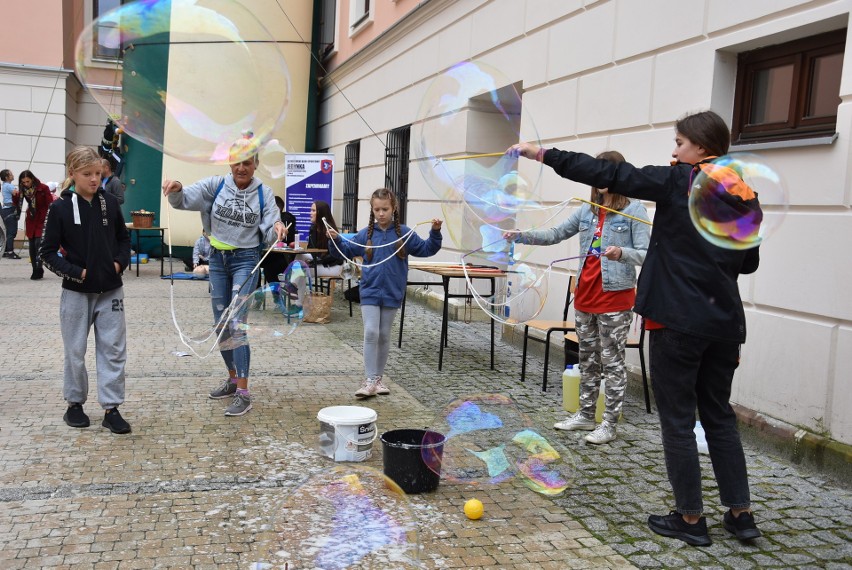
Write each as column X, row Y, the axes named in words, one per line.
column 351, row 168
column 396, row 166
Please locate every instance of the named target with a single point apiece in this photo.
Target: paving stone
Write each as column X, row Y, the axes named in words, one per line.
column 192, row 488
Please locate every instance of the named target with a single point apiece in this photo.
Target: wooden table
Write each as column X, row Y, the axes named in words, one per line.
column 294, row 252
column 447, row 272
column 131, row 228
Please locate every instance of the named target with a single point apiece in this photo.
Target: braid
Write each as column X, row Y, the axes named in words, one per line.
column 368, row 254
column 401, row 253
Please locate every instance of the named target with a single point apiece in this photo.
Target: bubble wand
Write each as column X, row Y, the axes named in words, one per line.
column 614, row 211
column 404, row 238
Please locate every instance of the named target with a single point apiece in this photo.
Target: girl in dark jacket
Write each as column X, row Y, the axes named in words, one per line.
column 38, row 199
column 689, row 297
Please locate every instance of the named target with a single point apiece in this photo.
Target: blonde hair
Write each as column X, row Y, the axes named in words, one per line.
column 78, row 158
column 617, row 201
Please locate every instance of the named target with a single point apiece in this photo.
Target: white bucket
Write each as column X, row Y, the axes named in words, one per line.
column 347, row 433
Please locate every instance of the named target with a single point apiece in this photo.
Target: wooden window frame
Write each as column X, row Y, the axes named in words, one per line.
column 801, row 54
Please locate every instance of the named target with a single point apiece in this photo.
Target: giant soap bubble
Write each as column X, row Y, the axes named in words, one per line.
column 349, row 516
column 489, row 440
column 194, row 76
column 737, row 200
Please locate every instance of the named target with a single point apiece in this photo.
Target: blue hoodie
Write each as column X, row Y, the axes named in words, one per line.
column 383, row 284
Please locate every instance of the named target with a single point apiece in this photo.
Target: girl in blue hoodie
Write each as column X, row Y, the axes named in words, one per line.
column 383, row 278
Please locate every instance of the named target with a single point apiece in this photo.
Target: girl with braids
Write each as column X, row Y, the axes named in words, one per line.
column 385, row 245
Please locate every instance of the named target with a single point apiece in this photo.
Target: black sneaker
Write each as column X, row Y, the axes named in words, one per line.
column 75, row 417
column 742, row 526
column 673, row 525
column 12, row 255
column 114, row 421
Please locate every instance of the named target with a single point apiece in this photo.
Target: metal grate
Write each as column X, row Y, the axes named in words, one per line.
column 351, row 167
column 396, row 166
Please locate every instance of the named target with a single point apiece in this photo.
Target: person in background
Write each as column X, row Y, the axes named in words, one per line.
column 10, row 213
column 604, row 297
column 383, row 278
column 689, row 296
column 327, row 264
column 240, row 216
column 87, row 223
column 111, row 182
column 38, row 199
column 201, row 254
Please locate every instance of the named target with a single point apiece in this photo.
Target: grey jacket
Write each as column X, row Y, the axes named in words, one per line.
column 631, row 236
column 235, row 218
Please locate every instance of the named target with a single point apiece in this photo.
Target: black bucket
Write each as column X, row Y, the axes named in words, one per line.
column 403, row 452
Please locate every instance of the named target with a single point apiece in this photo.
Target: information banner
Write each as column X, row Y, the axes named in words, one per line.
column 308, row 177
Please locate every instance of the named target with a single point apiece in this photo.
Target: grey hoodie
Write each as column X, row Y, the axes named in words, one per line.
column 235, row 218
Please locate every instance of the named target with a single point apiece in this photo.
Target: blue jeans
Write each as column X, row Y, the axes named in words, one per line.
column 688, row 372
column 230, row 276
column 10, row 219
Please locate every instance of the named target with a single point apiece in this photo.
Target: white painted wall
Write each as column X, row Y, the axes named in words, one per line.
column 617, row 74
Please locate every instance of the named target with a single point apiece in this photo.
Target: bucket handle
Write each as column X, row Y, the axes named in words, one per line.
column 359, row 442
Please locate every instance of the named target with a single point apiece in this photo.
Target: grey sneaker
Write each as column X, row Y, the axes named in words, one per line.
column 367, row 389
column 604, row 433
column 577, row 421
column 226, row 390
column 381, row 389
column 239, row 405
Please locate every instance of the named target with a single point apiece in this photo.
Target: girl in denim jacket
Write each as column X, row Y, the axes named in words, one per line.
column 603, row 301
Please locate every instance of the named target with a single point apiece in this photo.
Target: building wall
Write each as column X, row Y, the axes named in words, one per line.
column 593, row 79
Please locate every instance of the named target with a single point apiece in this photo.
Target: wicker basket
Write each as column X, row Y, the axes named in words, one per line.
column 142, row 219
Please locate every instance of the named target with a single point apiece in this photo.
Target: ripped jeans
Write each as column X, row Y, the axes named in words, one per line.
column 229, row 277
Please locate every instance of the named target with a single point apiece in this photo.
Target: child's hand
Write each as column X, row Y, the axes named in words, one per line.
column 436, row 224
column 332, row 233
column 511, row 235
column 117, row 268
column 527, row 150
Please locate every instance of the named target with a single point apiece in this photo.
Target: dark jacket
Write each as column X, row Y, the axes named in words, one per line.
column 687, row 284
column 100, row 239
column 38, row 202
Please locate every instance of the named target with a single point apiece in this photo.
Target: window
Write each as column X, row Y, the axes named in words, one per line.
column 359, row 13
column 789, row 91
column 107, row 40
column 351, row 166
column 327, row 22
column 396, row 166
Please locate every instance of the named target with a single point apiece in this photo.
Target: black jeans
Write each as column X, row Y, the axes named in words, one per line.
column 10, row 220
column 689, row 372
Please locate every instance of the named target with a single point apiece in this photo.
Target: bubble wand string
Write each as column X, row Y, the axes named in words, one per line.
column 470, row 156
column 405, row 239
column 614, row 211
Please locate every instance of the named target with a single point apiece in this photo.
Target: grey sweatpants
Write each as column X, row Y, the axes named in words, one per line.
column 77, row 313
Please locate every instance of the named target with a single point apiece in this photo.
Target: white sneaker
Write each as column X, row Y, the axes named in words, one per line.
column 577, row 421
column 381, row 389
column 604, row 433
column 367, row 389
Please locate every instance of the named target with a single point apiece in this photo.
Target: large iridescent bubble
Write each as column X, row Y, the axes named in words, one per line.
column 737, row 200
column 270, row 313
column 194, row 76
column 489, row 440
column 469, row 116
column 349, row 516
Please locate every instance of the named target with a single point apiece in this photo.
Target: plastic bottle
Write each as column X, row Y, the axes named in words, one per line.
column 571, row 388
column 700, row 439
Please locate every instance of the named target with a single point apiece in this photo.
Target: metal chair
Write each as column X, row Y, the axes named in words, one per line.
column 631, row 343
column 548, row 328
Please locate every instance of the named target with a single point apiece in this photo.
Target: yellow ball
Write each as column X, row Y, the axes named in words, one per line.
column 473, row 509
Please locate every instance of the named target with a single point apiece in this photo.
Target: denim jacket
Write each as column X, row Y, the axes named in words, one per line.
column 631, row 236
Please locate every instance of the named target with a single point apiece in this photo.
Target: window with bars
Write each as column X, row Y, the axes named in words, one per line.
column 789, row 91
column 396, row 166
column 351, row 169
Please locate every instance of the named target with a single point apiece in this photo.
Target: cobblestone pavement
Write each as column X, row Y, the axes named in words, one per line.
column 192, row 488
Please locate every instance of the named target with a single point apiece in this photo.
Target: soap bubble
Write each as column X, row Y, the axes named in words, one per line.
column 722, row 204
column 177, row 95
column 469, row 116
column 273, row 156
column 269, row 313
column 350, row 516
column 489, row 441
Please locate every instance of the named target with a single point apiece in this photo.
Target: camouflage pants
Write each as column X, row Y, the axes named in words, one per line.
column 602, row 337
